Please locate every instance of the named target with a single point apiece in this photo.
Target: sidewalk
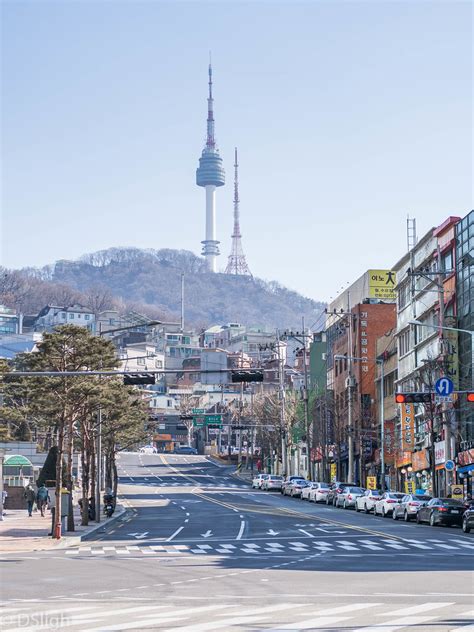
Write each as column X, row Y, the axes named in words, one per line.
column 20, row 533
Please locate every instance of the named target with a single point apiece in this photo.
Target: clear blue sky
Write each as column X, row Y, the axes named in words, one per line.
column 347, row 116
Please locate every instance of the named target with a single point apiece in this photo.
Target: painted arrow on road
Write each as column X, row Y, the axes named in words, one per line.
column 207, row 534
column 139, row 536
column 271, row 532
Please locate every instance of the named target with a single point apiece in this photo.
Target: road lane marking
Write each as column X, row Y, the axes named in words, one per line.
column 174, row 534
column 424, row 607
column 241, row 530
column 396, row 624
column 306, row 533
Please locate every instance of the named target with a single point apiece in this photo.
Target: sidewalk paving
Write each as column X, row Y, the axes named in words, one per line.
column 19, row 533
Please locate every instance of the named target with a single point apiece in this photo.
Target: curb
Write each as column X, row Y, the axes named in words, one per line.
column 120, row 511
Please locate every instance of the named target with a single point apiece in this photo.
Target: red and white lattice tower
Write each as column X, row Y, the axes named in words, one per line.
column 237, row 263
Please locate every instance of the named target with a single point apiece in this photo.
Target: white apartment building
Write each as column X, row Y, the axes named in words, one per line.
column 53, row 315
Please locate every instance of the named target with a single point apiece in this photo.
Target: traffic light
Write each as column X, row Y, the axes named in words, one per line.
column 247, row 376
column 139, row 378
column 413, row 398
column 186, row 417
column 470, row 397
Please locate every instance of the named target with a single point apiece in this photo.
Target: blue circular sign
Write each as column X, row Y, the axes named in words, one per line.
column 449, row 466
column 444, row 386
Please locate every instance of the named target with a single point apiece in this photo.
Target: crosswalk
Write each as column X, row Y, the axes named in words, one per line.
column 119, row 614
column 282, row 547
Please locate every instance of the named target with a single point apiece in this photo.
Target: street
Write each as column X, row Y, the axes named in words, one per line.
column 199, row 550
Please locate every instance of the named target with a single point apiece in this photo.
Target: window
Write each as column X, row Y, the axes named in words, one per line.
column 447, row 261
column 158, row 364
column 389, row 384
column 71, row 316
column 403, row 293
column 78, row 315
column 404, row 343
column 63, row 315
column 141, row 361
column 87, row 316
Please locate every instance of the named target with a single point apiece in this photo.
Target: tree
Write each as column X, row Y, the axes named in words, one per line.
column 61, row 400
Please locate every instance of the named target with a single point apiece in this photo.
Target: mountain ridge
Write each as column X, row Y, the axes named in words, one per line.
column 149, row 280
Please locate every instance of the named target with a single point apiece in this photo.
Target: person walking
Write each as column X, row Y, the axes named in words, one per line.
column 30, row 497
column 4, row 498
column 42, row 498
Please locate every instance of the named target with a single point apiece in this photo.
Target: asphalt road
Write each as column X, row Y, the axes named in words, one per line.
column 199, row 550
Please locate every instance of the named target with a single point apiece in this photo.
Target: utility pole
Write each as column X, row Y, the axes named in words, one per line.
column 284, row 455
column 350, row 429
column 309, row 437
column 182, row 302
column 382, row 423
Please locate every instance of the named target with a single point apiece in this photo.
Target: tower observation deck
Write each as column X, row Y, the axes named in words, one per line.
column 210, row 174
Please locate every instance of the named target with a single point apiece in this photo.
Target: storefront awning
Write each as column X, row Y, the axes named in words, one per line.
column 466, row 468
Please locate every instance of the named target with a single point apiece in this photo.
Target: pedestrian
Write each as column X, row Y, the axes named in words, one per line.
column 42, row 498
column 30, row 497
column 4, row 498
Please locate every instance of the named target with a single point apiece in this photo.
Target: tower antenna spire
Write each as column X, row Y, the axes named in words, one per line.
column 237, row 263
column 211, row 141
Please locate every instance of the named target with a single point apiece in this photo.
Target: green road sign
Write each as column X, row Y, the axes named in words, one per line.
column 199, row 411
column 214, row 419
column 199, row 421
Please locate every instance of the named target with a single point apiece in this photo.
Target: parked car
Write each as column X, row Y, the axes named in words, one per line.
column 440, row 511
column 296, row 487
column 348, row 496
column 336, row 488
column 306, row 490
column 272, row 482
column 258, row 480
column 288, row 480
column 468, row 519
column 385, row 505
column 409, row 505
column 318, row 492
column 185, row 449
column 367, row 501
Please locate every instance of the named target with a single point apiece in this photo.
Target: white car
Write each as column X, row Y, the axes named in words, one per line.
column 385, row 505
column 318, row 492
column 367, row 501
column 272, row 481
column 306, row 490
column 258, row 480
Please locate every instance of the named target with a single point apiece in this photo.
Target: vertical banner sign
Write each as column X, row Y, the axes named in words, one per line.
column 333, row 472
column 371, row 482
column 408, row 426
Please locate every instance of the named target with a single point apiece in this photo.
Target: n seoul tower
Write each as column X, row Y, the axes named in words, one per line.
column 210, row 174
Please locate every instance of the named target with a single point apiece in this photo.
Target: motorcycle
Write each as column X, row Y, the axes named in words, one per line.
column 109, row 505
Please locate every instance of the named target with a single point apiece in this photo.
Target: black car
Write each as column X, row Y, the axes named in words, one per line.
column 441, row 511
column 468, row 519
column 335, row 489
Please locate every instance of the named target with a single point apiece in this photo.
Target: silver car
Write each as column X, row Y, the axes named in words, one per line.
column 348, row 496
column 409, row 505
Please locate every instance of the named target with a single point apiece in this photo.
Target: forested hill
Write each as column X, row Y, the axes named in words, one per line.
column 150, row 281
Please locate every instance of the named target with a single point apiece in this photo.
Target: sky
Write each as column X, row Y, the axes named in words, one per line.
column 347, row 117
